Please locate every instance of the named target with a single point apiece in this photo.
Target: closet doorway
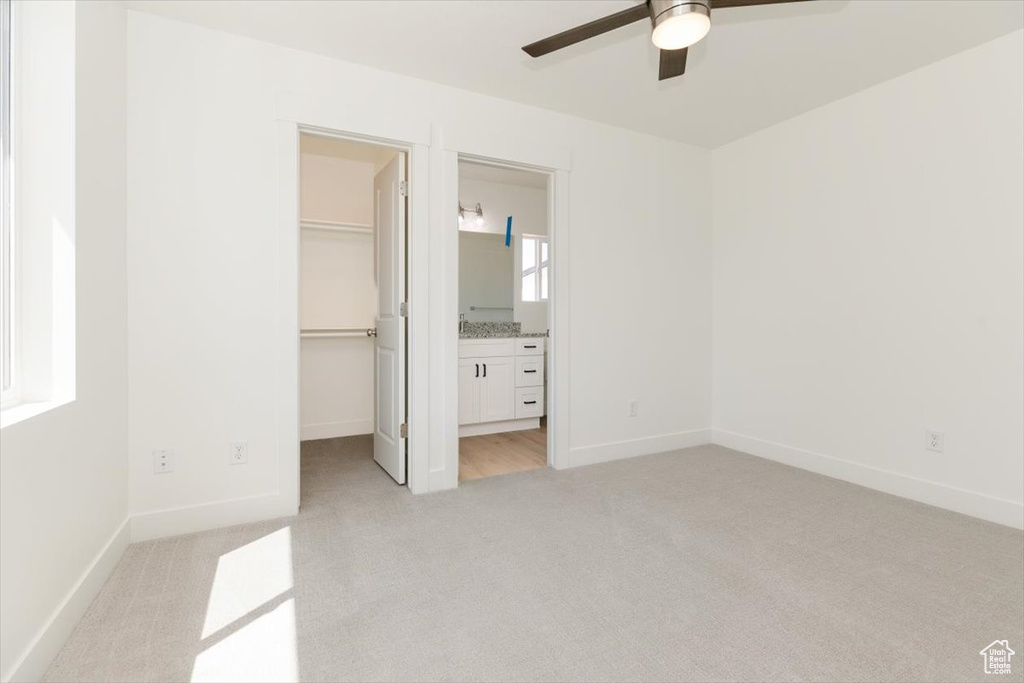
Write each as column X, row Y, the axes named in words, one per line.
column 505, row 278
column 353, row 242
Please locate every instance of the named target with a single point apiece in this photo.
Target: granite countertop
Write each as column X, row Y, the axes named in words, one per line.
column 501, row 330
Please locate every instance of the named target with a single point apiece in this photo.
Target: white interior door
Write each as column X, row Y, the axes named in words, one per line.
column 389, row 351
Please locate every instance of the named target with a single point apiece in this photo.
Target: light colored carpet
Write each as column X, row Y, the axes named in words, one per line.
column 699, row 565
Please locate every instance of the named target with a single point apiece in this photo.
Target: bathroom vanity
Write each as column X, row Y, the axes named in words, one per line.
column 501, row 379
column 501, row 368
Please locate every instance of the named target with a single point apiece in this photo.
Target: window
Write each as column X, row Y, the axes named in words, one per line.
column 535, row 270
column 37, row 212
column 7, row 393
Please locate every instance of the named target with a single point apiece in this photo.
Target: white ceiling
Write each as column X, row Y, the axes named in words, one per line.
column 758, row 66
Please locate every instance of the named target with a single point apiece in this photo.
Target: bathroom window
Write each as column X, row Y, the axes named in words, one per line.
column 535, row 269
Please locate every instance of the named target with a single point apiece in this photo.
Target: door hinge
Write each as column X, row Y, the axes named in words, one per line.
column 403, row 431
column 403, row 309
column 403, row 188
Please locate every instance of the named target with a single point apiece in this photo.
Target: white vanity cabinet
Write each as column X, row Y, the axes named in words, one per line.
column 486, row 388
column 501, row 384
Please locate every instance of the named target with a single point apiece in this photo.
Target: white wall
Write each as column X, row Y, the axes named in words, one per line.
column 528, row 207
column 869, row 285
column 337, row 289
column 63, row 474
column 202, row 253
column 333, row 188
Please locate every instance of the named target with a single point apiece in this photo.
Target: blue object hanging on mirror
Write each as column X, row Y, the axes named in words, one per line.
column 508, row 232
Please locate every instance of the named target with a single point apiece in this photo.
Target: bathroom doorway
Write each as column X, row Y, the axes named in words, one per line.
column 505, row 279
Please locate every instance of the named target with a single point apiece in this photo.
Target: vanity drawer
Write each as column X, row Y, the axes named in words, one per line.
column 530, row 346
column 485, row 348
column 529, row 371
column 529, row 402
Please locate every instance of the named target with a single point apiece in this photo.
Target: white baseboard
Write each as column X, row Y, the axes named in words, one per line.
column 499, row 427
column 439, row 480
column 162, row 523
column 971, row 503
column 618, row 450
column 32, row 665
column 333, row 430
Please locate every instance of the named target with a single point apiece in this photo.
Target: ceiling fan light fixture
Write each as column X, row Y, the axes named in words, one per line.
column 679, row 24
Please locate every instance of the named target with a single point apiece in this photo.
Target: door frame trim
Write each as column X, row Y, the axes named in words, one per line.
column 557, row 369
column 433, row 351
column 417, row 227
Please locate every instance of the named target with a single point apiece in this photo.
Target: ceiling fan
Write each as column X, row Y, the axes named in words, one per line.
column 677, row 24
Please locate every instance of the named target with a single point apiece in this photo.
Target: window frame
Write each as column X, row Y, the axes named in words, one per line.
column 540, row 241
column 42, row 278
column 9, row 394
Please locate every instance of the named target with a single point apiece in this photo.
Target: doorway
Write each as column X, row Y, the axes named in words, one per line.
column 504, row 283
column 353, row 346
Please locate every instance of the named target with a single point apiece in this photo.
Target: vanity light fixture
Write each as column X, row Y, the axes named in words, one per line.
column 478, row 211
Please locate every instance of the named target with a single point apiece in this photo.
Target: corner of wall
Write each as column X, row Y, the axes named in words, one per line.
column 147, row 526
column 980, row 505
column 619, row 450
column 50, row 638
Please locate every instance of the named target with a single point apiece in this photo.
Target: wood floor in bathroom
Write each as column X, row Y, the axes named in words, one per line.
column 493, row 454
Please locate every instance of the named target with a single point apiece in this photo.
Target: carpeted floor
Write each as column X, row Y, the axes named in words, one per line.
column 699, row 565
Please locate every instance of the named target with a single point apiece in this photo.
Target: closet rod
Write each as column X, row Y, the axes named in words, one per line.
column 324, row 332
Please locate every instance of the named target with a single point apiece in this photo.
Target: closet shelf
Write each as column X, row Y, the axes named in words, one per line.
column 334, row 226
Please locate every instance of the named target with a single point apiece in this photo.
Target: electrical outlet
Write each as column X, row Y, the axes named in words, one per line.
column 934, row 441
column 163, row 461
column 239, row 453
column 634, row 406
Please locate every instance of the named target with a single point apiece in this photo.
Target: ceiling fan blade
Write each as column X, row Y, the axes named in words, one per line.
column 672, row 64
column 723, row 4
column 589, row 30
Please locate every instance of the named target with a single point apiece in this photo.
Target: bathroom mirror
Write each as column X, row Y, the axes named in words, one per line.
column 486, row 277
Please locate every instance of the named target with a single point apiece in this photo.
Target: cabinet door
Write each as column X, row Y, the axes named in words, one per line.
column 469, row 391
column 497, row 389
